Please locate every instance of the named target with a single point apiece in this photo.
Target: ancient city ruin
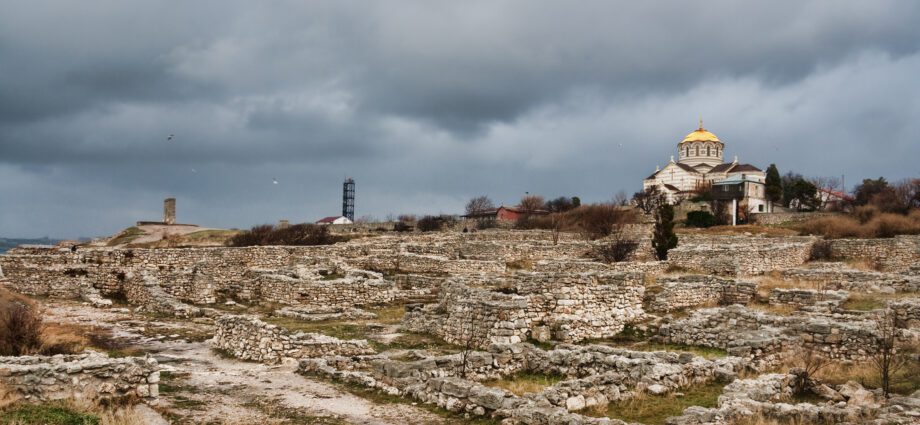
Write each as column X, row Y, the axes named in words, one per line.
column 497, row 325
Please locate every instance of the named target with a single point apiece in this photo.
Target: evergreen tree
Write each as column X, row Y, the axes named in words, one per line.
column 664, row 237
column 774, row 184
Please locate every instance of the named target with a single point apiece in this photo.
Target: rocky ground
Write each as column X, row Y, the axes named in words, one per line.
column 200, row 386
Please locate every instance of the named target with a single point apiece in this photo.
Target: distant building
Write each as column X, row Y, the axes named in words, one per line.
column 348, row 199
column 700, row 166
column 504, row 213
column 335, row 220
column 834, row 200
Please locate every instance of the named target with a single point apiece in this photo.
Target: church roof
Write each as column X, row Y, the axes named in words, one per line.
column 687, row 168
column 731, row 167
column 701, row 135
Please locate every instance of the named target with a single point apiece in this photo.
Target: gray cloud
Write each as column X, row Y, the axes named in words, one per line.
column 427, row 103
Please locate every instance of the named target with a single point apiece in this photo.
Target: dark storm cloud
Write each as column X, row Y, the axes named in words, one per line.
column 427, row 103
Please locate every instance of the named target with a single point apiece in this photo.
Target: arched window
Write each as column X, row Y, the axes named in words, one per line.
column 697, row 150
column 688, row 151
column 708, row 151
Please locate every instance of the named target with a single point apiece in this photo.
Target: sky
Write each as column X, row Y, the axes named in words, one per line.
column 428, row 103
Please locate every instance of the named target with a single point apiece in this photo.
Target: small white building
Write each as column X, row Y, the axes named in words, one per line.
column 699, row 167
column 334, row 220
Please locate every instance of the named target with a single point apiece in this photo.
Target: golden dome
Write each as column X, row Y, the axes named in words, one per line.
column 701, row 135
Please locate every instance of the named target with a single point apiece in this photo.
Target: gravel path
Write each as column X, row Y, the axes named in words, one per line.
column 202, row 387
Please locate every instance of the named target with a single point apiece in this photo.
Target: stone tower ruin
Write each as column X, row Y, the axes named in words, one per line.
column 169, row 211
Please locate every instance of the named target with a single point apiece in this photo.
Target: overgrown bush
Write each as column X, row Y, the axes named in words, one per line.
column 821, row 251
column 20, row 327
column 878, row 225
column 616, row 251
column 402, row 226
column 433, row 223
column 297, row 234
column 700, row 219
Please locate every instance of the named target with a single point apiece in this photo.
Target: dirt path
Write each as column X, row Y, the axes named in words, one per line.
column 199, row 386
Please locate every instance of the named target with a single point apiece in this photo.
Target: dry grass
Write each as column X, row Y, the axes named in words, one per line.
column 776, row 309
column 769, row 231
column 69, row 412
column 869, row 302
column 654, row 410
column 861, row 264
column 526, row 382
column 875, row 225
column 521, row 264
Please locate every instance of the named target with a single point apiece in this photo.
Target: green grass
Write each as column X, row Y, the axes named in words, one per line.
column 709, row 353
column 869, row 302
column 416, row 341
column 45, row 414
column 126, row 236
column 653, row 410
column 525, row 382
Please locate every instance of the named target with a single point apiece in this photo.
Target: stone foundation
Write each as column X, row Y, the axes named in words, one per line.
column 94, row 377
column 248, row 338
column 565, row 307
column 699, row 290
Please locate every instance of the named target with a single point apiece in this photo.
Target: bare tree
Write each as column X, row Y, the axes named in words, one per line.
column 621, row 199
column 531, row 203
column 810, row 363
column 479, row 204
column 825, row 186
column 649, row 199
column 473, row 335
column 885, row 357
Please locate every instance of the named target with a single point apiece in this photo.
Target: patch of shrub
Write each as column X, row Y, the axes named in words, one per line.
column 864, row 213
column 433, row 223
column 297, row 234
column 485, row 224
column 615, row 252
column 880, row 225
column 402, row 226
column 20, row 327
column 700, row 219
column 821, row 251
column 430, row 223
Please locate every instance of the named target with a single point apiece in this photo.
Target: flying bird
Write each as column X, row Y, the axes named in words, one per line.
column 170, row 137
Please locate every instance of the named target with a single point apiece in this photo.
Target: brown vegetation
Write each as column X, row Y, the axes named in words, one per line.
column 297, row 234
column 23, row 332
column 865, row 223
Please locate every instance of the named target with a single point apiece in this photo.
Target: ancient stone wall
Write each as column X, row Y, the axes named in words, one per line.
column 801, row 298
column 249, row 338
column 766, row 338
column 771, row 219
column 570, row 307
column 89, row 376
column 740, row 255
column 699, row 290
column 840, row 276
column 594, row 376
column 893, row 254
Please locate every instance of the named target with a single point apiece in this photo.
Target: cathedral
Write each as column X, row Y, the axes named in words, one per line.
column 700, row 166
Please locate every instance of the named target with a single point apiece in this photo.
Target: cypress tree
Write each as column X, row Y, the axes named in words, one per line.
column 664, row 237
column 774, row 185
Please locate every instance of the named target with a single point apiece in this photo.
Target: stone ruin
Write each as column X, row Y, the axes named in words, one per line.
column 496, row 290
column 542, row 306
